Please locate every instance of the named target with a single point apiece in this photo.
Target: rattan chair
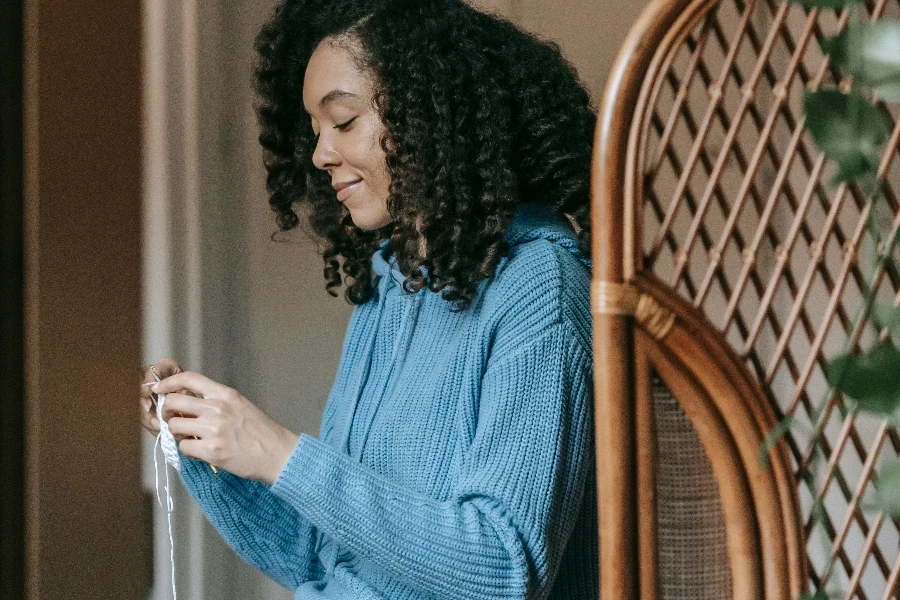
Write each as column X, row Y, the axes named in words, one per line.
column 726, row 272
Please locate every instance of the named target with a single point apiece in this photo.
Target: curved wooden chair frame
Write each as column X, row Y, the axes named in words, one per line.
column 640, row 324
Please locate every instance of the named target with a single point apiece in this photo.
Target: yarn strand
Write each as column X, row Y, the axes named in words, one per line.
column 166, row 441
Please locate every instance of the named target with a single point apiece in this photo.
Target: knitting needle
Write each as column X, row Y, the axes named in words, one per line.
column 214, row 469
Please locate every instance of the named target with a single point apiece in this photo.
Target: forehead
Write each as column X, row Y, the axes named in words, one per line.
column 332, row 67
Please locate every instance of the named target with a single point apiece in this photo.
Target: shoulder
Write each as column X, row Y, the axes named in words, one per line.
column 540, row 284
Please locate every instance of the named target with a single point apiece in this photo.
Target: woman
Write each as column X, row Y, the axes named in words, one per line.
column 442, row 156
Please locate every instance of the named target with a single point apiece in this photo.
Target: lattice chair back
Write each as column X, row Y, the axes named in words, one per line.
column 726, row 272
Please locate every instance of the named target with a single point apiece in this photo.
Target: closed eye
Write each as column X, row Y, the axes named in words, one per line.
column 344, row 126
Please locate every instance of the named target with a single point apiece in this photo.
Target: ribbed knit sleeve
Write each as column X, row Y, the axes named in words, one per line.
column 261, row 527
column 520, row 483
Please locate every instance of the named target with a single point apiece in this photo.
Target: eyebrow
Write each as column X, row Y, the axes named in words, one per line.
column 335, row 95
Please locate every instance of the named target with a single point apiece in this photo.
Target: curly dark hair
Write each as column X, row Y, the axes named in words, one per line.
column 479, row 117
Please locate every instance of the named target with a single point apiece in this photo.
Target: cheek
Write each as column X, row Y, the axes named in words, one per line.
column 363, row 152
column 376, row 166
column 371, row 140
column 380, row 181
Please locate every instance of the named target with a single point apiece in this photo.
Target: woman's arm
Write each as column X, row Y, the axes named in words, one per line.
column 518, row 491
column 259, row 526
column 262, row 528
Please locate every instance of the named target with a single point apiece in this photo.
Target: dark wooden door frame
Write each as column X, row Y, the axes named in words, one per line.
column 74, row 242
column 12, row 388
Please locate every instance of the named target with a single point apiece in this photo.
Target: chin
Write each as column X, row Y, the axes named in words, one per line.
column 368, row 221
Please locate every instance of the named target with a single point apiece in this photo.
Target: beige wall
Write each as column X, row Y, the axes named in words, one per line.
column 589, row 32
column 268, row 327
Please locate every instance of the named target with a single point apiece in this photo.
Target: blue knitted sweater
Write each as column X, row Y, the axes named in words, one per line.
column 455, row 457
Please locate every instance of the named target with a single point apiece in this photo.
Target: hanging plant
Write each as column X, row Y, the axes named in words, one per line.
column 850, row 127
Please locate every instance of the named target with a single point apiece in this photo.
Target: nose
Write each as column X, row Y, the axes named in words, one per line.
column 325, row 154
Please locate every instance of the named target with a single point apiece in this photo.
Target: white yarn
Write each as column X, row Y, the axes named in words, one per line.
column 166, row 439
column 169, row 446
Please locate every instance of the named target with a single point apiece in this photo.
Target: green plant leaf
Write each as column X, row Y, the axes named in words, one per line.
column 887, row 489
column 825, row 3
column 879, row 223
column 872, row 379
column 887, row 316
column 820, row 595
column 777, row 432
column 889, row 91
column 870, row 53
column 872, row 187
column 852, row 168
column 849, row 130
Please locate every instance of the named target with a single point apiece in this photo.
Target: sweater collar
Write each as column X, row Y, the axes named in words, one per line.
column 387, row 266
column 537, row 220
column 532, row 221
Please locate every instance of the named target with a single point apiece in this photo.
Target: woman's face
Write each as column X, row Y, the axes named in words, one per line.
column 338, row 98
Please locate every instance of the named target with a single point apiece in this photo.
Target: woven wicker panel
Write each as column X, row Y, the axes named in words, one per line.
column 739, row 218
column 691, row 527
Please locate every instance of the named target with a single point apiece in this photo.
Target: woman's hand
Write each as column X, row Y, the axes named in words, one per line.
column 230, row 431
column 164, row 368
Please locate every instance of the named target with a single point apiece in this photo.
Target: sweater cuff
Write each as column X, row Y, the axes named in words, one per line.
column 296, row 482
column 297, row 469
column 196, row 475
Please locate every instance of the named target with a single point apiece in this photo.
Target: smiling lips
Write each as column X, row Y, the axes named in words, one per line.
column 346, row 188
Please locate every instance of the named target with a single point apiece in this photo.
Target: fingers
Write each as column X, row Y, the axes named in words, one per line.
column 149, row 420
column 192, row 382
column 181, row 404
column 165, row 367
column 187, row 428
column 145, row 388
column 193, row 449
